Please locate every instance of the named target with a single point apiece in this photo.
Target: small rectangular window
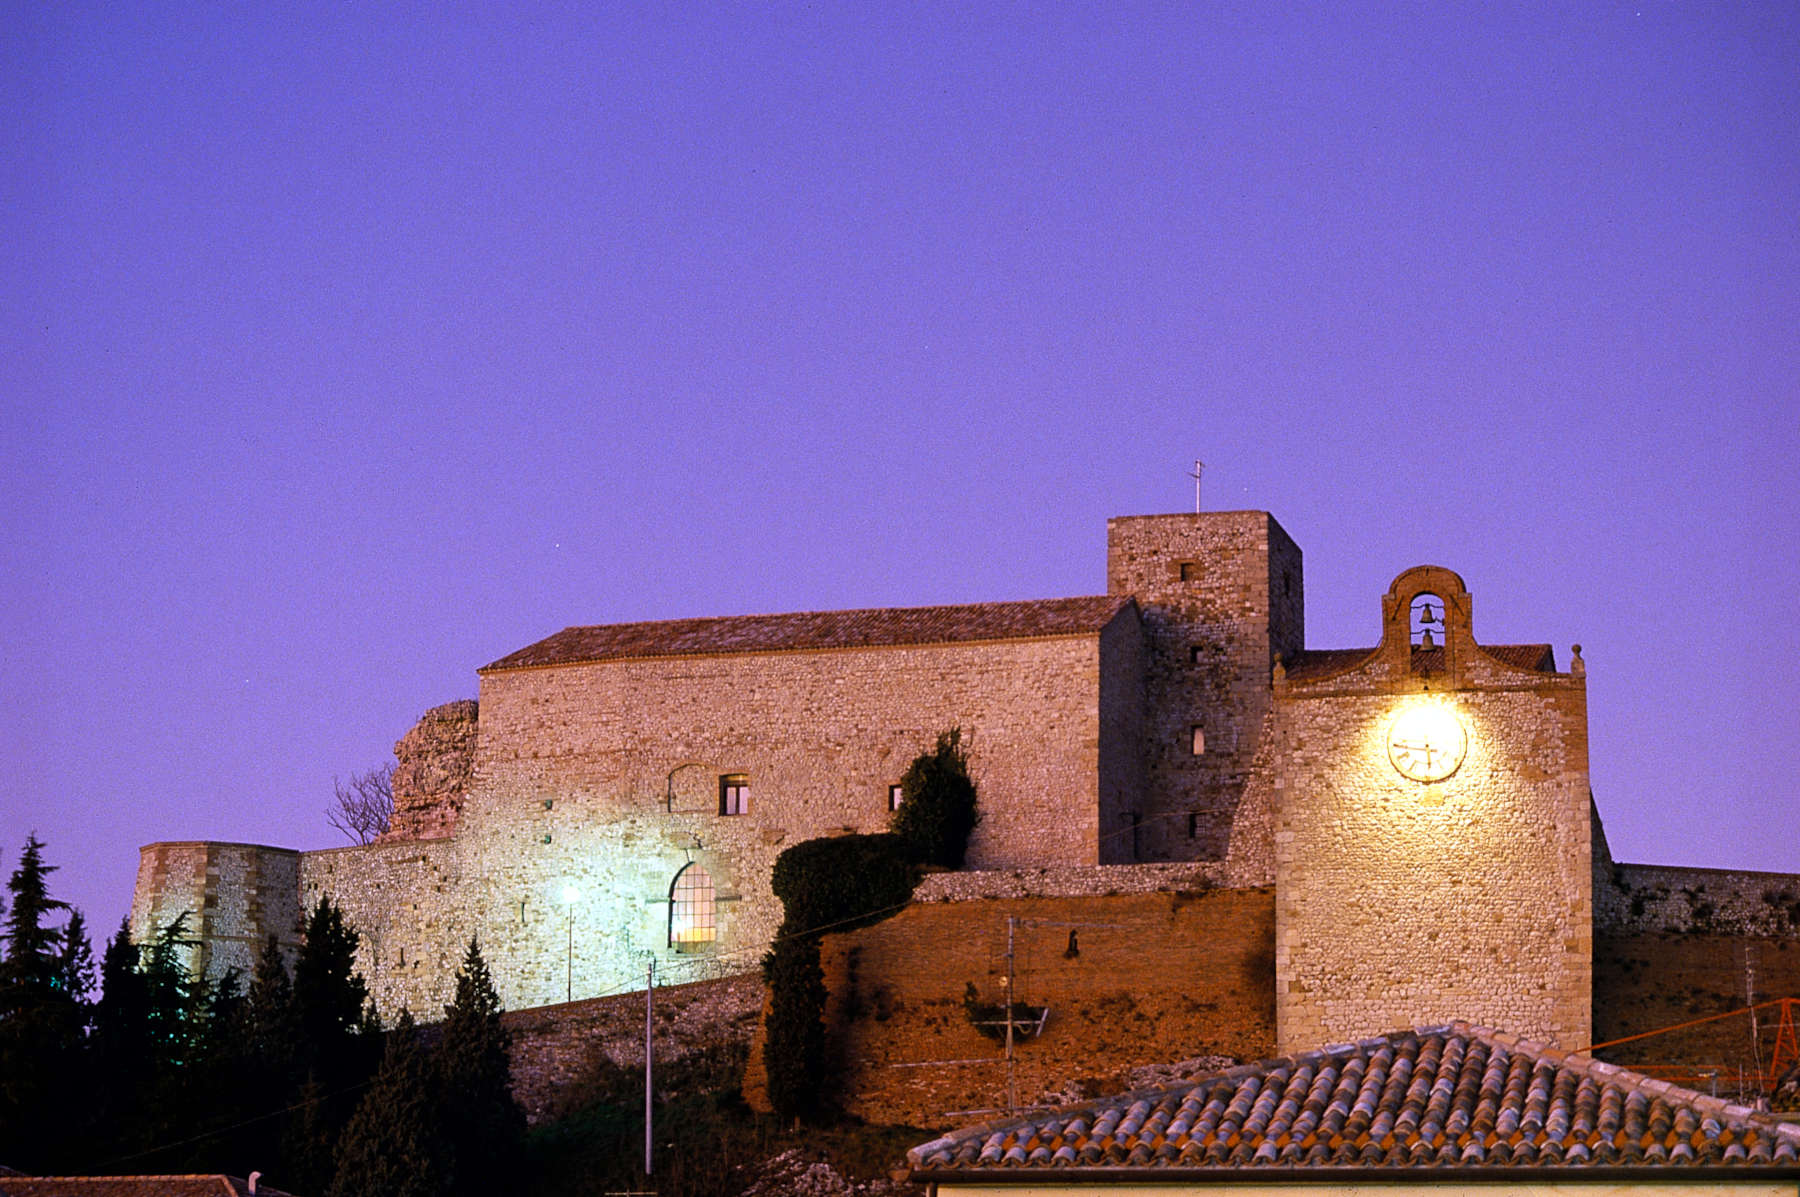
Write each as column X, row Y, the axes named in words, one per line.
column 1190, row 571
column 895, row 795
column 1194, row 654
column 1193, row 825
column 734, row 794
column 1199, row 740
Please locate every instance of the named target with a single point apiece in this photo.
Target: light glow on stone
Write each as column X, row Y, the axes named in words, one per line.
column 1427, row 742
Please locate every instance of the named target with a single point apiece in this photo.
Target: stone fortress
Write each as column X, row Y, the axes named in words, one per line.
column 1420, row 810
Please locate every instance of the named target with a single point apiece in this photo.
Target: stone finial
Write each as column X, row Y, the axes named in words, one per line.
column 1576, row 664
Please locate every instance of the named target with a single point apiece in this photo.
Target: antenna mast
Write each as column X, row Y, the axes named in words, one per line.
column 1199, row 468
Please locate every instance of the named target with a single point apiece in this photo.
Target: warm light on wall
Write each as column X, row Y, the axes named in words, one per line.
column 1427, row 742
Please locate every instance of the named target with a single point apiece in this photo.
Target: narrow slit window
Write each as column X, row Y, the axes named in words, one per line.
column 1197, row 741
column 693, row 908
column 896, row 795
column 1193, row 825
column 734, row 794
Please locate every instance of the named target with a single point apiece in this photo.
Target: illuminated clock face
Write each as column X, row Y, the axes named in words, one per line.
column 1427, row 743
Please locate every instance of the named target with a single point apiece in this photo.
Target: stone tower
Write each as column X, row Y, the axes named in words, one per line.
column 1432, row 842
column 1221, row 596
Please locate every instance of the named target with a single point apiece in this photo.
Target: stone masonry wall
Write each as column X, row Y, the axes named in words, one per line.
column 1404, row 903
column 405, row 902
column 1130, row 980
column 603, row 780
column 1121, row 732
column 1645, row 899
column 434, row 763
column 1089, row 881
column 235, row 897
column 1222, row 592
column 561, row 1053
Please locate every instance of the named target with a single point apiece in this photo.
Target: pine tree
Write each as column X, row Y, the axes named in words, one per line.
column 169, row 995
column 393, row 1145
column 75, row 962
column 40, row 1021
column 484, row 1126
column 32, row 944
column 121, row 1048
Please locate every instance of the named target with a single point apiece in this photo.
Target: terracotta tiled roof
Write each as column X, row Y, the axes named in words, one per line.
column 1439, row 1097
column 1323, row 662
column 130, row 1186
column 821, row 629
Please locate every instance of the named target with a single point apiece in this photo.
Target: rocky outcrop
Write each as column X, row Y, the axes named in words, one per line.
column 436, row 759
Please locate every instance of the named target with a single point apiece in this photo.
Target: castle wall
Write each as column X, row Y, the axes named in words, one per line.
column 405, row 901
column 235, row 897
column 1154, row 977
column 1222, row 592
column 604, row 779
column 433, row 764
column 1404, row 903
column 1122, row 722
column 1651, row 899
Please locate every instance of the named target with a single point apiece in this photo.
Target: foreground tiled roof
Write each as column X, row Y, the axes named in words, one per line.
column 1323, row 662
column 1441, row 1097
column 130, row 1186
column 821, row 629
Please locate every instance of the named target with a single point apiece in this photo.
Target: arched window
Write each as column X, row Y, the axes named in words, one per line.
column 693, row 908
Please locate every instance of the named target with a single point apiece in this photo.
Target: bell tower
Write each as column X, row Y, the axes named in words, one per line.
column 1433, row 838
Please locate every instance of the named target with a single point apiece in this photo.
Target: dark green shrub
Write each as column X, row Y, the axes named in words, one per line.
column 841, row 882
column 937, row 804
column 830, row 884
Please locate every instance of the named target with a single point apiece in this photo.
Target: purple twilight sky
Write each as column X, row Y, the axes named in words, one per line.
column 348, row 350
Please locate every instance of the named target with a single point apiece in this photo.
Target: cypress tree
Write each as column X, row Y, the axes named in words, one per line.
column 333, row 1054
column 329, row 995
column 483, row 1124
column 393, row 1145
column 270, row 1024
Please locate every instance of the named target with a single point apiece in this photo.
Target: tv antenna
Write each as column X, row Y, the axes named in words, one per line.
column 1199, row 468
